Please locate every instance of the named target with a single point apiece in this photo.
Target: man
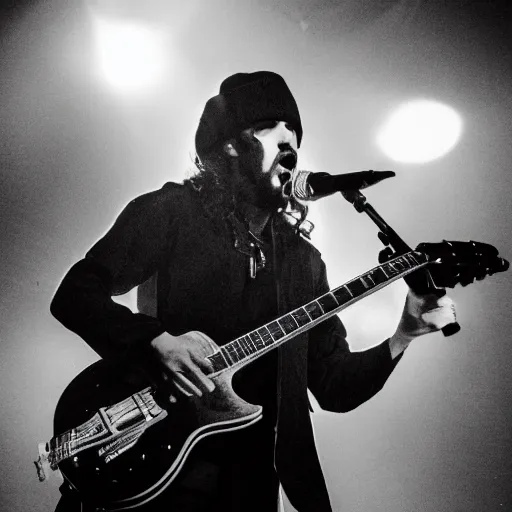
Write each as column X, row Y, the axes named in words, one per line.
column 217, row 257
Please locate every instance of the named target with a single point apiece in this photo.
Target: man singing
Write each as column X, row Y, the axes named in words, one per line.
column 217, row 257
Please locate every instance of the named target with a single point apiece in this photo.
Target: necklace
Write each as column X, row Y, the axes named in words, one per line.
column 250, row 245
column 257, row 260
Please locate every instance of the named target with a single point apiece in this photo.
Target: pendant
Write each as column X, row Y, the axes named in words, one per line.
column 252, row 263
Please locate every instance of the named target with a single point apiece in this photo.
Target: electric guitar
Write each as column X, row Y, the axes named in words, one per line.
column 118, row 447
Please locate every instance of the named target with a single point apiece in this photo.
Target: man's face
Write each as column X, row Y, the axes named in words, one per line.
column 266, row 162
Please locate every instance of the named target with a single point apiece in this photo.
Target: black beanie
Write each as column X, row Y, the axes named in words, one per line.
column 244, row 99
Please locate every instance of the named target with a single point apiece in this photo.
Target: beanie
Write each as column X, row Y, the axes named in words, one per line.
column 244, row 99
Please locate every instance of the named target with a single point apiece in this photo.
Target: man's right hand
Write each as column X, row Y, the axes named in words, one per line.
column 182, row 362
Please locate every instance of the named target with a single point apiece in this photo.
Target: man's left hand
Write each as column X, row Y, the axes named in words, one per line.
column 422, row 314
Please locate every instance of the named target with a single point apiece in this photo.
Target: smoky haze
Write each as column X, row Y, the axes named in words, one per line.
column 74, row 152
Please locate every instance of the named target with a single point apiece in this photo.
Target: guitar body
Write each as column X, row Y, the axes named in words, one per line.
column 152, row 463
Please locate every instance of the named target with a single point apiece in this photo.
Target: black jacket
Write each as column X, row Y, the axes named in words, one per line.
column 196, row 280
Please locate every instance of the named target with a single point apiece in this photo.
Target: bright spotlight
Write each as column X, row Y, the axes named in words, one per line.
column 131, row 57
column 420, row 131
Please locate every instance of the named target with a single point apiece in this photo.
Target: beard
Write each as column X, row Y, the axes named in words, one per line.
column 262, row 187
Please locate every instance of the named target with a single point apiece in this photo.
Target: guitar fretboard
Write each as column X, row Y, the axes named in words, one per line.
column 265, row 338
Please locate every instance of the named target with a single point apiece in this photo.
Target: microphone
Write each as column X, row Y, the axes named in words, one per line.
column 310, row 186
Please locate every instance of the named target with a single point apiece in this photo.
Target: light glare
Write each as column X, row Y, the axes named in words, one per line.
column 420, row 131
column 131, row 57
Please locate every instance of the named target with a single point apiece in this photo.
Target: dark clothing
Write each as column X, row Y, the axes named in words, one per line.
column 194, row 279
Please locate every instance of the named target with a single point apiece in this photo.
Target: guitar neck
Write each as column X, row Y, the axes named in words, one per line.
column 256, row 343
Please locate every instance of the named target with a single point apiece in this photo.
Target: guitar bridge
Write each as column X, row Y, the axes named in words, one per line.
column 120, row 445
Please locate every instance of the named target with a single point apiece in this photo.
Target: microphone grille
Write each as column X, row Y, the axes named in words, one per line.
column 300, row 186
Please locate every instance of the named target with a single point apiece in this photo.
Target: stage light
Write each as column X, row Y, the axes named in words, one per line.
column 420, row 131
column 131, row 57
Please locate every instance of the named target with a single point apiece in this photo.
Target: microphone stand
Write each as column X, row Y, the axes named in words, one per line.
column 421, row 281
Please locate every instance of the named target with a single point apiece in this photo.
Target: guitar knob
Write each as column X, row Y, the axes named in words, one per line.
column 385, row 255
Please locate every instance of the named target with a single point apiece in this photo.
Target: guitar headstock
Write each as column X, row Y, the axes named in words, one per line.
column 461, row 262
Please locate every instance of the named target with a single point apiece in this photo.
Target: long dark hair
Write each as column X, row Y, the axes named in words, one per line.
column 213, row 186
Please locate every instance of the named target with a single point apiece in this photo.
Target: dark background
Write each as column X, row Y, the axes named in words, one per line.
column 74, row 151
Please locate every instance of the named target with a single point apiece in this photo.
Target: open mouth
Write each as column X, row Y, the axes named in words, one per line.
column 288, row 160
column 286, row 163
